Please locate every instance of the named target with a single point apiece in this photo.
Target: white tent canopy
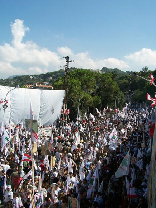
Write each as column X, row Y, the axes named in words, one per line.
column 46, row 105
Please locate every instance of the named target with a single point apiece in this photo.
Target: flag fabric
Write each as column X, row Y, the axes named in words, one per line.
column 52, row 138
column 113, row 134
column 26, row 157
column 113, row 140
column 131, row 190
column 27, row 175
column 91, row 116
column 2, row 129
column 98, row 112
column 74, row 139
column 4, row 139
column 77, row 137
column 151, row 79
column 39, row 199
column 153, row 102
column 91, row 185
column 113, row 143
column 151, row 130
column 59, row 164
column 1, row 101
column 124, row 167
column 34, row 137
column 67, row 112
column 149, row 97
column 116, row 110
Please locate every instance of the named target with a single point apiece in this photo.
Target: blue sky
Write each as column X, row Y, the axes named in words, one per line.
column 35, row 35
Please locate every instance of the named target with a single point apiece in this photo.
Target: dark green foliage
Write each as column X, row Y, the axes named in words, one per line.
column 89, row 89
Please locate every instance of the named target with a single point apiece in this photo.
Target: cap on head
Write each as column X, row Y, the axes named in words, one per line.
column 9, row 186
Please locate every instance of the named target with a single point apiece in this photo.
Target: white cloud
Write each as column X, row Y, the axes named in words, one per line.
column 114, row 63
column 36, row 70
column 65, row 51
column 82, row 60
column 41, row 60
column 18, row 31
column 28, row 54
column 144, row 57
column 6, row 70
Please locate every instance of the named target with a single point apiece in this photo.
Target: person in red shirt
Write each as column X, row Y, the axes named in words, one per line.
column 16, row 180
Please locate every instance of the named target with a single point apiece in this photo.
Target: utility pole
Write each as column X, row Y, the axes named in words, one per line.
column 66, row 85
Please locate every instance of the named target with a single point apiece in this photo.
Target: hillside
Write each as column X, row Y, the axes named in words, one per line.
column 48, row 78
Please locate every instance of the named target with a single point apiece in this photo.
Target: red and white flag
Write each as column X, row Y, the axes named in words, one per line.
column 151, row 79
column 124, row 166
column 34, row 137
column 151, row 129
column 26, row 157
column 131, row 190
column 67, row 111
column 149, row 97
column 1, row 101
column 153, row 102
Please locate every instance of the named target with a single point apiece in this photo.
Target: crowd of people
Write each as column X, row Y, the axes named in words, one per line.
column 79, row 164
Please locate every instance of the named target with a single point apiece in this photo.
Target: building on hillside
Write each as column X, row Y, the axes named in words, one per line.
column 39, row 86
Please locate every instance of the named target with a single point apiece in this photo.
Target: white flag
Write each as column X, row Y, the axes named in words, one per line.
column 4, row 139
column 124, row 167
column 77, row 137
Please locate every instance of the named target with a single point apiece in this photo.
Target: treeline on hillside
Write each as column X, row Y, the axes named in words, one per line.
column 89, row 89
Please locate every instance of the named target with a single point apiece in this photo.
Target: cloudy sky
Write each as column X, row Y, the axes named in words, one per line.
column 36, row 35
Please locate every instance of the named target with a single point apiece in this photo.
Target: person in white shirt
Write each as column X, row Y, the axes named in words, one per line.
column 8, row 195
column 71, row 180
column 5, row 166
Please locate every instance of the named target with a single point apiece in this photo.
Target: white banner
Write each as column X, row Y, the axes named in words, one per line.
column 15, row 105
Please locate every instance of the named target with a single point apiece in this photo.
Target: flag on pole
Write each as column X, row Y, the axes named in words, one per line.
column 124, row 167
column 52, row 138
column 98, row 112
column 27, row 175
column 26, row 157
column 77, row 137
column 151, row 79
column 153, row 102
column 34, row 137
column 149, row 97
column 4, row 139
column 113, row 139
column 131, row 190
